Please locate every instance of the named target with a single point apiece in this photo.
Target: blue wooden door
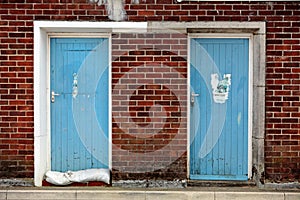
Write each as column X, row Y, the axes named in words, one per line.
column 219, row 76
column 79, row 103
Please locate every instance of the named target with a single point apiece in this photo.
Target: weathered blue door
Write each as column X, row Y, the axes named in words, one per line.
column 219, row 80
column 79, row 103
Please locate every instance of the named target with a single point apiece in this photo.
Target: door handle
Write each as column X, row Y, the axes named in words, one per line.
column 53, row 94
column 193, row 95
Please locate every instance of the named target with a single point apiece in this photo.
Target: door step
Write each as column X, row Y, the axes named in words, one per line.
column 198, row 183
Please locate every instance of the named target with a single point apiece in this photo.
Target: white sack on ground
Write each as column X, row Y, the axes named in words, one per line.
column 57, row 178
column 82, row 176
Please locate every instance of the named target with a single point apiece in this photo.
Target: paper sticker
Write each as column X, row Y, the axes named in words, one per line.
column 75, row 85
column 220, row 88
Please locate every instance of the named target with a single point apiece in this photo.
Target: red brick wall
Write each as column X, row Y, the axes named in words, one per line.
column 282, row 147
column 149, row 105
column 16, row 92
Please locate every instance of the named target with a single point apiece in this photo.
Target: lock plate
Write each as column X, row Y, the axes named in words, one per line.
column 193, row 95
column 53, row 94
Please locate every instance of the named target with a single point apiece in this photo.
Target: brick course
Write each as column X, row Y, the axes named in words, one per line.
column 282, row 146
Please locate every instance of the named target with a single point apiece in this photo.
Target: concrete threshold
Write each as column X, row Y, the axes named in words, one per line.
column 70, row 193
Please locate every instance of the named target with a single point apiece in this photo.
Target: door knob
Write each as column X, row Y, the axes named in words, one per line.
column 53, row 94
column 193, row 95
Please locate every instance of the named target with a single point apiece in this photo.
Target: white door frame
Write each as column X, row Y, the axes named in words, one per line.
column 43, row 30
